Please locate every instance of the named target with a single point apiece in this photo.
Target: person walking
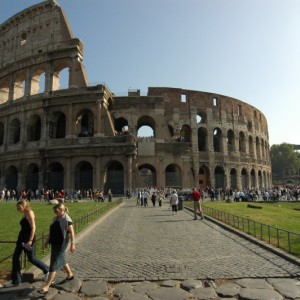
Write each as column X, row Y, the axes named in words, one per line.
column 110, row 195
column 146, row 196
column 161, row 198
column 174, row 202
column 25, row 242
column 153, row 198
column 138, row 198
column 61, row 231
column 196, row 198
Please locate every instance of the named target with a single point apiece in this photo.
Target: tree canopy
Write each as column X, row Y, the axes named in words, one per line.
column 285, row 160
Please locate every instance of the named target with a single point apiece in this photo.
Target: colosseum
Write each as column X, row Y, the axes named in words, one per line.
column 83, row 136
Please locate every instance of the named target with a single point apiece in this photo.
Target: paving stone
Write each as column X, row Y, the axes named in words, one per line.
column 123, row 288
column 259, row 294
column 283, row 280
column 253, row 283
column 52, row 292
column 170, row 283
column 140, row 248
column 99, row 298
column 228, row 290
column 94, row 288
column 165, row 293
column 205, row 293
column 190, row 284
column 72, row 286
column 134, row 296
column 144, row 287
column 288, row 290
column 66, row 296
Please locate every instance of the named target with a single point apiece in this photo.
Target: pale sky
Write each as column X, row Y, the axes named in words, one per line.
column 245, row 49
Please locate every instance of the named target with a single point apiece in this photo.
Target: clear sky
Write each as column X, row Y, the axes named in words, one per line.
column 245, row 49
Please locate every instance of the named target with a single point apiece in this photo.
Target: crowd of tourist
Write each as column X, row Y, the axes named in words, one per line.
column 277, row 193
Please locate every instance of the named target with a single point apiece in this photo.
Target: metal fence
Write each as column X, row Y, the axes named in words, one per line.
column 284, row 239
column 78, row 224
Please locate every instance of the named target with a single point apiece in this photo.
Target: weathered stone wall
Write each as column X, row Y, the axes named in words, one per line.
column 85, row 137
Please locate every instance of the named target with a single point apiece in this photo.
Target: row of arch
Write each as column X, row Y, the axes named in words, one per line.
column 54, row 177
column 56, row 127
column 33, row 82
column 84, row 127
column 219, row 178
column 219, row 139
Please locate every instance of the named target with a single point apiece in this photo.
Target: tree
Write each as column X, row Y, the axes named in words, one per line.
column 285, row 160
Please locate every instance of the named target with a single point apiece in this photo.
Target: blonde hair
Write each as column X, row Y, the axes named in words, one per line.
column 61, row 206
column 25, row 204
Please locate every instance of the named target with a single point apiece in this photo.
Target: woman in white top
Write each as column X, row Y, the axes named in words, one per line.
column 174, row 202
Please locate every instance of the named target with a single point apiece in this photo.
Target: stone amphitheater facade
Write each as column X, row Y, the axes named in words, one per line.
column 84, row 136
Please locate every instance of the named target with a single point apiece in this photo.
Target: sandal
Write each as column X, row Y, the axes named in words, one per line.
column 68, row 279
column 42, row 292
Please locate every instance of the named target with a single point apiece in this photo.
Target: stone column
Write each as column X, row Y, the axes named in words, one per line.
column 129, row 173
column 99, row 108
column 23, row 129
column 239, row 179
column 212, row 176
column 161, row 178
column 49, row 78
column 27, row 91
column 96, row 172
column 69, row 176
column 70, row 122
column 5, row 138
column 11, row 88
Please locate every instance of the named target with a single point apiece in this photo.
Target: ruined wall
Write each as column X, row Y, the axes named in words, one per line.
column 86, row 137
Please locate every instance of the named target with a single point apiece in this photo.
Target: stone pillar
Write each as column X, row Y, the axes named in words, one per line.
column 247, row 150
column 72, row 73
column 23, row 129
column 69, row 176
column 97, row 125
column 226, row 178
column 44, row 127
column 212, row 176
column 249, row 185
column 224, row 144
column 49, row 78
column 27, row 91
column 256, row 178
column 239, row 179
column 161, row 178
column 11, row 88
column 129, row 173
column 21, row 180
column 5, row 138
column 96, row 174
column 70, row 122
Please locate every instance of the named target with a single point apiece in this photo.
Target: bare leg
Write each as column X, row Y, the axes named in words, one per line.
column 49, row 281
column 68, row 270
column 200, row 210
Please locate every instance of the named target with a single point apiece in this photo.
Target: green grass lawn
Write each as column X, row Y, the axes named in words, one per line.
column 262, row 223
column 10, row 227
column 279, row 214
